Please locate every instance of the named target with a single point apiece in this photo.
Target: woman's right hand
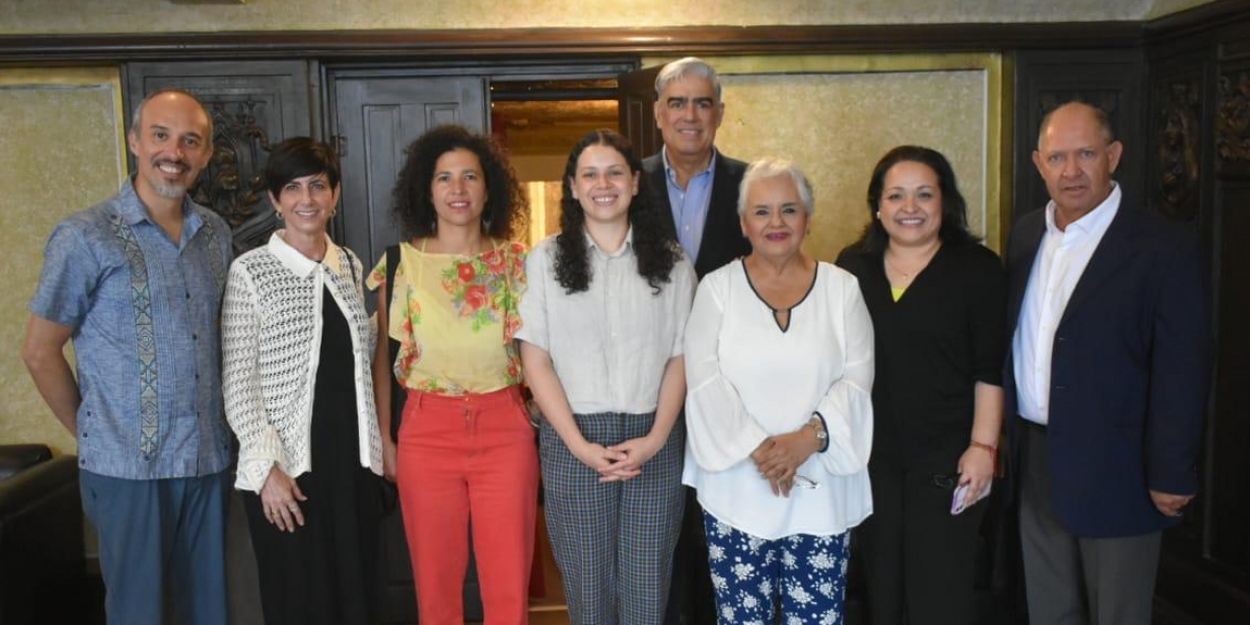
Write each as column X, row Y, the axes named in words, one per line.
column 278, row 499
column 390, row 459
column 603, row 460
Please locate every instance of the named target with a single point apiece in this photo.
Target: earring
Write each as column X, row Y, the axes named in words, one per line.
column 278, row 214
column 878, row 214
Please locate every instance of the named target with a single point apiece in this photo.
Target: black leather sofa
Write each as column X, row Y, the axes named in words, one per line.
column 42, row 570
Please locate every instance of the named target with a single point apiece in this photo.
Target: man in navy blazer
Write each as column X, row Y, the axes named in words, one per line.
column 1108, row 371
column 693, row 182
column 689, row 178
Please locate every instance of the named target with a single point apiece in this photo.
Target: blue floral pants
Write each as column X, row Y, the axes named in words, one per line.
column 804, row 576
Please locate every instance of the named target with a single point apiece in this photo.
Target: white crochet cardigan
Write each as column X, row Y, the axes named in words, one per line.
column 271, row 332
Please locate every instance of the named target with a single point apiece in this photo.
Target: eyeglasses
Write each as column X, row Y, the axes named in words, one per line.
column 802, row 481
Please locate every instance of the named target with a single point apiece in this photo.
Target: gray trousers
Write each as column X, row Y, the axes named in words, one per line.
column 1071, row 580
column 613, row 541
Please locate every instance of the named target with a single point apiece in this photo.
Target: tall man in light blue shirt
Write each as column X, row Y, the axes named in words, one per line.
column 698, row 186
column 136, row 282
column 691, row 179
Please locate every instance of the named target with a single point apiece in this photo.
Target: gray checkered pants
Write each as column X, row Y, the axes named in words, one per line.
column 613, row 541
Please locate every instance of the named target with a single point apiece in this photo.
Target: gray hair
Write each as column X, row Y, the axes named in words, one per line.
column 137, row 117
column 689, row 66
column 773, row 167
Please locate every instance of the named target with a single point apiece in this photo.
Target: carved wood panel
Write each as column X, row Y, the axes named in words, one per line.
column 1177, row 143
column 1232, row 119
column 253, row 105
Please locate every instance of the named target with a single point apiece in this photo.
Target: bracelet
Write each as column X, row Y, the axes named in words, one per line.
column 979, row 445
column 990, row 448
column 824, row 429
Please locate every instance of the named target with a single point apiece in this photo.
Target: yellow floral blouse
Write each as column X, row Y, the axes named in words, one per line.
column 456, row 318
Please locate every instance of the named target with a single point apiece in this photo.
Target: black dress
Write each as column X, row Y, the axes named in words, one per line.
column 932, row 347
column 325, row 572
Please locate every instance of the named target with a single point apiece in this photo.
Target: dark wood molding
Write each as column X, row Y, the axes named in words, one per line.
column 442, row 45
column 1202, row 18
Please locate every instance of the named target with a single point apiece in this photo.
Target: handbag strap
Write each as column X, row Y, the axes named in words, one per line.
column 398, row 393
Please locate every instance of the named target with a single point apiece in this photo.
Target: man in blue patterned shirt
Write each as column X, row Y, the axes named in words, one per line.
column 136, row 282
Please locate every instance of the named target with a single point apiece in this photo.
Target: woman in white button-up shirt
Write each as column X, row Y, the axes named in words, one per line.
column 601, row 332
column 779, row 359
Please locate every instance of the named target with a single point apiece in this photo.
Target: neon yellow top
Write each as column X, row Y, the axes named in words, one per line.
column 456, row 319
column 897, row 292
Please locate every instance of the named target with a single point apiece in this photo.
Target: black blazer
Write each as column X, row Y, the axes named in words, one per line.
column 722, row 233
column 1130, row 373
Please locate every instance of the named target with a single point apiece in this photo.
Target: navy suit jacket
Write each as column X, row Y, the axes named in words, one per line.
column 722, row 239
column 1130, row 373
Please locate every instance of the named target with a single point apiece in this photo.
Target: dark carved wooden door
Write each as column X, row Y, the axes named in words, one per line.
column 636, row 91
column 374, row 120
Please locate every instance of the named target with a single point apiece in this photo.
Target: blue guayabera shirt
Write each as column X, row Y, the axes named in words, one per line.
column 145, row 314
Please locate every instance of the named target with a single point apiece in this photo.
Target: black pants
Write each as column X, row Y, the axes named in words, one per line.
column 691, row 600
column 919, row 561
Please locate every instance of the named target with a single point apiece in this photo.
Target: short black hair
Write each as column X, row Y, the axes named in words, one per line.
column 298, row 157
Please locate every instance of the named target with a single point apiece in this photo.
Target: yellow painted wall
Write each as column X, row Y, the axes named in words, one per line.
column 60, row 151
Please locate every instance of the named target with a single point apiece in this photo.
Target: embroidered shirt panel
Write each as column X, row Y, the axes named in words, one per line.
column 144, row 311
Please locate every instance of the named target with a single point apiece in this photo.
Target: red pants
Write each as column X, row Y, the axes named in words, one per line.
column 469, row 457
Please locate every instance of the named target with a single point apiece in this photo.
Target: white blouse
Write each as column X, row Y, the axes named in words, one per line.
column 271, row 326
column 609, row 344
column 748, row 379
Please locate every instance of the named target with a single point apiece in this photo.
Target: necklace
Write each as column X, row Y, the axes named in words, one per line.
column 924, row 262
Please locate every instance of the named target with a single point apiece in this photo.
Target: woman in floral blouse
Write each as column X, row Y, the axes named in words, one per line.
column 465, row 448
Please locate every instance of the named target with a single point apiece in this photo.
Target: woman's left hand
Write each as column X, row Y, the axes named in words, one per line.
column 637, row 452
column 976, row 468
column 779, row 457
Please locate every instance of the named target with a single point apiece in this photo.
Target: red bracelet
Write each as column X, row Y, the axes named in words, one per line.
column 993, row 453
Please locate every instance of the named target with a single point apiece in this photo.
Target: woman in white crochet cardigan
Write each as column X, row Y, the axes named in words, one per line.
column 297, row 344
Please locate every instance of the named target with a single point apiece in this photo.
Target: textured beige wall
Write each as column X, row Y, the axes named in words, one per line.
column 100, row 16
column 836, row 116
column 60, row 152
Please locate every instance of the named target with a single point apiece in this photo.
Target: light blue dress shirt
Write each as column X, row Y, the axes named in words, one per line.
column 690, row 205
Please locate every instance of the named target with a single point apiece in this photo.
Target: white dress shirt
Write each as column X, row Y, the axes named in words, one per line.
column 748, row 380
column 1061, row 259
column 609, row 344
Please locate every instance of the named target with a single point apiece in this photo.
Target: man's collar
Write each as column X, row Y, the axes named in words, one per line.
column 1099, row 217
column 299, row 264
column 133, row 211
column 668, row 167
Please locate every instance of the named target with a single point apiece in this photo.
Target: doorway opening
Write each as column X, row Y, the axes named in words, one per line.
column 538, row 122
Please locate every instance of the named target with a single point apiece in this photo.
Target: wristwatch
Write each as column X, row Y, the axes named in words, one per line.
column 818, row 426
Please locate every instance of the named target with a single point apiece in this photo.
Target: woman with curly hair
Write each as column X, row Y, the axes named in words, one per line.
column 601, row 342
column 464, row 448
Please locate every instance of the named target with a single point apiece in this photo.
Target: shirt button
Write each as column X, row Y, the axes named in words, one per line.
column 188, row 295
column 195, row 337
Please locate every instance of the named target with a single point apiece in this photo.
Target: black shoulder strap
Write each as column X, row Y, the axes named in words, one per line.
column 398, row 393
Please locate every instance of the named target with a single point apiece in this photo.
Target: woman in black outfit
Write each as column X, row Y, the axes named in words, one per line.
column 936, row 297
column 297, row 346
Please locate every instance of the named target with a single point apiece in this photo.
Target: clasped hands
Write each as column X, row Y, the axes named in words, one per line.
column 778, row 458
column 619, row 462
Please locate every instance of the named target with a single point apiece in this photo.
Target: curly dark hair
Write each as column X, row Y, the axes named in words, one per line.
column 654, row 243
column 954, row 228
column 506, row 207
